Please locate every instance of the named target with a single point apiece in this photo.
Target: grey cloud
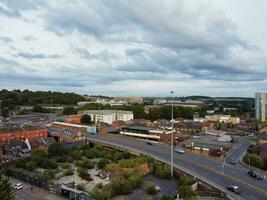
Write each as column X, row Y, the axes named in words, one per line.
column 36, row 55
column 6, row 39
column 29, row 38
column 102, row 56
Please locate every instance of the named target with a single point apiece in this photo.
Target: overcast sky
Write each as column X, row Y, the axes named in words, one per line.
column 139, row 48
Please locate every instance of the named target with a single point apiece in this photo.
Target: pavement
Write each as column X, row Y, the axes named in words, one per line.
column 35, row 193
column 214, row 172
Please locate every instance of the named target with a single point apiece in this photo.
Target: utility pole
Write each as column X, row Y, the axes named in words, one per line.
column 75, row 181
column 1, row 123
column 172, row 137
column 51, row 101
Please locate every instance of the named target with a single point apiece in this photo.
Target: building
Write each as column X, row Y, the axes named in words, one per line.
column 78, row 127
column 148, row 133
column 22, row 133
column 67, row 135
column 261, row 106
column 223, row 119
column 109, row 116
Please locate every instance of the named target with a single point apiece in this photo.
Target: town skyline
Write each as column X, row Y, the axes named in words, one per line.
column 119, row 49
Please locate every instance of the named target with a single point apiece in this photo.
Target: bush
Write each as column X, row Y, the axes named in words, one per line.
column 102, row 163
column 151, row 188
column 55, row 149
column 166, row 197
column 67, row 172
column 120, row 187
column 86, row 164
column 161, row 170
column 83, row 172
column 186, row 191
column 100, row 195
column 80, row 187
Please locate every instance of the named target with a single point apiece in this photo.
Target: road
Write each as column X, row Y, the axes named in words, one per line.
column 35, row 194
column 202, row 167
column 240, row 151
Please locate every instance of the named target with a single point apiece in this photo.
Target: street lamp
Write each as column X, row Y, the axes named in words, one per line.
column 172, row 137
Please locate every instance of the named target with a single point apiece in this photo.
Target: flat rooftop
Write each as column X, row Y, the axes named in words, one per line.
column 107, row 112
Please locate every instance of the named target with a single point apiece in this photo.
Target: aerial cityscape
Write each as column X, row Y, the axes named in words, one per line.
column 133, row 100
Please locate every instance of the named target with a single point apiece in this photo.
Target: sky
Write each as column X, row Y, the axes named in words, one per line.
column 135, row 48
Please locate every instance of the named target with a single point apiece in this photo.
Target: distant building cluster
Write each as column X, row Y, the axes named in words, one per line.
column 186, row 103
column 217, row 118
column 113, row 101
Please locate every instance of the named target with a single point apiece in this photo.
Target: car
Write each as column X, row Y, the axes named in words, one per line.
column 179, row 150
column 18, row 186
column 233, row 188
column 149, row 143
column 254, row 174
column 233, row 162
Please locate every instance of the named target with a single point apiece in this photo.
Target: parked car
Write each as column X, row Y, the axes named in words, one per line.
column 254, row 174
column 234, row 162
column 18, row 186
column 233, row 188
column 179, row 150
column 149, row 143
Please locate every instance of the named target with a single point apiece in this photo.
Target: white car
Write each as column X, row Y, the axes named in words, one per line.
column 179, row 150
column 18, row 186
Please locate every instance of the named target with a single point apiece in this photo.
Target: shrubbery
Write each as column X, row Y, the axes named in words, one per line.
column 151, row 188
column 253, row 160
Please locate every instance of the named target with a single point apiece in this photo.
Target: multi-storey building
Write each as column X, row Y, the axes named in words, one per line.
column 109, row 116
column 261, row 106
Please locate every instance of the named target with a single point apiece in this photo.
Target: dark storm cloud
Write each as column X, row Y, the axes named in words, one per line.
column 36, row 56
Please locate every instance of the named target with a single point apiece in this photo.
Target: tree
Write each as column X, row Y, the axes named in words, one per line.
column 38, row 154
column 102, row 163
column 86, row 119
column 5, row 112
column 69, row 110
column 100, row 195
column 55, row 149
column 37, row 108
column 186, row 191
column 253, row 160
column 6, row 190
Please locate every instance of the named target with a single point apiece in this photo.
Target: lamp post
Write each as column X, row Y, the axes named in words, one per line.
column 172, row 137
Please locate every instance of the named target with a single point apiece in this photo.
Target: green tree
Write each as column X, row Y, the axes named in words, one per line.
column 5, row 112
column 86, row 119
column 37, row 108
column 55, row 149
column 38, row 154
column 69, row 110
column 186, row 191
column 6, row 190
column 102, row 163
column 253, row 160
column 31, row 165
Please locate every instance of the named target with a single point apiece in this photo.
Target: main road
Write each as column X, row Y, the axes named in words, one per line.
column 211, row 171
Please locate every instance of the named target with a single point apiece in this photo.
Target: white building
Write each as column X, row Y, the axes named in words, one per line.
column 261, row 106
column 109, row 116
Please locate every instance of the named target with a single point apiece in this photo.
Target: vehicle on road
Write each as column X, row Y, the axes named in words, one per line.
column 179, row 150
column 254, row 174
column 233, row 162
column 233, row 188
column 18, row 186
column 149, row 143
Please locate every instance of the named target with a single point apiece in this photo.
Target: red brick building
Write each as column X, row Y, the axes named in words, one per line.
column 22, row 133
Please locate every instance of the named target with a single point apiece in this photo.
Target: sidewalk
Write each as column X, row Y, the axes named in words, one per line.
column 37, row 192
